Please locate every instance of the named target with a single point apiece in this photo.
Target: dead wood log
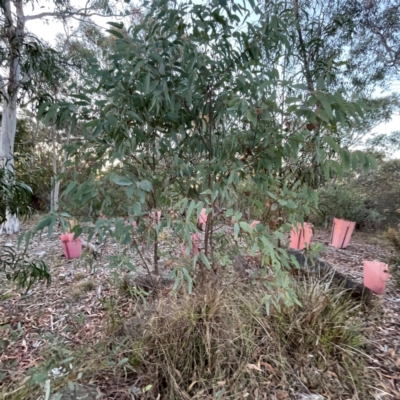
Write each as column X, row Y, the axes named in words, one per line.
column 322, row 269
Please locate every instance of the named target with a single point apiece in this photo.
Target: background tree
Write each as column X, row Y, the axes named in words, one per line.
column 20, row 53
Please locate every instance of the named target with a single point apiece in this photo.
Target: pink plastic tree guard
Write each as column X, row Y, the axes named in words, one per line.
column 300, row 237
column 341, row 233
column 195, row 244
column 375, row 276
column 155, row 216
column 173, row 215
column 203, row 217
column 72, row 248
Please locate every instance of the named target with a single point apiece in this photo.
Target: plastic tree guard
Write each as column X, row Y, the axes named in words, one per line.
column 341, row 233
column 376, row 275
column 300, row 237
column 72, row 248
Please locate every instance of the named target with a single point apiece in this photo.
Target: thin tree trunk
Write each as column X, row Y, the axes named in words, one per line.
column 9, row 121
column 58, row 181
column 56, row 187
column 9, row 90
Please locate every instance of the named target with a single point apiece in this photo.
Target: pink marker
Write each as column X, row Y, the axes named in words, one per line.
column 254, row 224
column 173, row 215
column 155, row 216
column 203, row 217
column 195, row 245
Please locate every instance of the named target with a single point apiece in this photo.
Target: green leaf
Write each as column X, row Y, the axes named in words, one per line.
column 123, row 361
column 236, row 230
column 372, row 161
column 145, row 185
column 345, row 156
column 291, row 204
column 134, row 116
column 120, row 180
column 115, row 33
column 321, row 83
column 44, row 223
column 229, row 212
column 139, row 65
column 147, row 388
column 205, row 260
column 323, row 115
column 70, row 186
column 327, row 108
column 331, row 143
column 190, row 210
column 147, row 83
column 51, row 113
column 118, row 25
column 246, row 227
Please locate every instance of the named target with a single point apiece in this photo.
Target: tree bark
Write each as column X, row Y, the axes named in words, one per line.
column 56, row 187
column 9, row 90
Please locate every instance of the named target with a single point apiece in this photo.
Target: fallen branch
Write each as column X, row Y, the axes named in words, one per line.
column 322, row 269
column 91, row 247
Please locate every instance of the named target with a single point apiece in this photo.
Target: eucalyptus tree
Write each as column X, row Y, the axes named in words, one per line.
column 19, row 50
column 355, row 42
column 375, row 49
column 326, row 36
column 187, row 110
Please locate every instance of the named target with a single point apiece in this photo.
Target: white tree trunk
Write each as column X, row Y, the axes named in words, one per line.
column 9, row 91
column 7, row 136
column 55, row 193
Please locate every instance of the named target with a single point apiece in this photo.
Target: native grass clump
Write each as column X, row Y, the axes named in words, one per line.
column 221, row 343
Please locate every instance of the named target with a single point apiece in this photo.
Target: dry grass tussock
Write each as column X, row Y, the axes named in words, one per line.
column 220, row 344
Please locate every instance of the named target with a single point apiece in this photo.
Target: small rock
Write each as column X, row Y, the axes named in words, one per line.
column 56, row 371
column 309, row 397
column 8, row 244
column 41, row 253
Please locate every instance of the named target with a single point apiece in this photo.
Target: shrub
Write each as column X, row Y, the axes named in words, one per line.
column 346, row 203
column 382, row 189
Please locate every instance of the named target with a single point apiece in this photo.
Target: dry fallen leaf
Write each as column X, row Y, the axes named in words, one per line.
column 269, row 367
column 332, row 374
column 282, row 395
column 253, row 366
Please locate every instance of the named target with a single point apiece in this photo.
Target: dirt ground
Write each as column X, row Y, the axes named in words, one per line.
column 73, row 310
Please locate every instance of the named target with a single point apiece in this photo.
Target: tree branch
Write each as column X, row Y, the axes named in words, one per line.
column 83, row 12
column 303, row 50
